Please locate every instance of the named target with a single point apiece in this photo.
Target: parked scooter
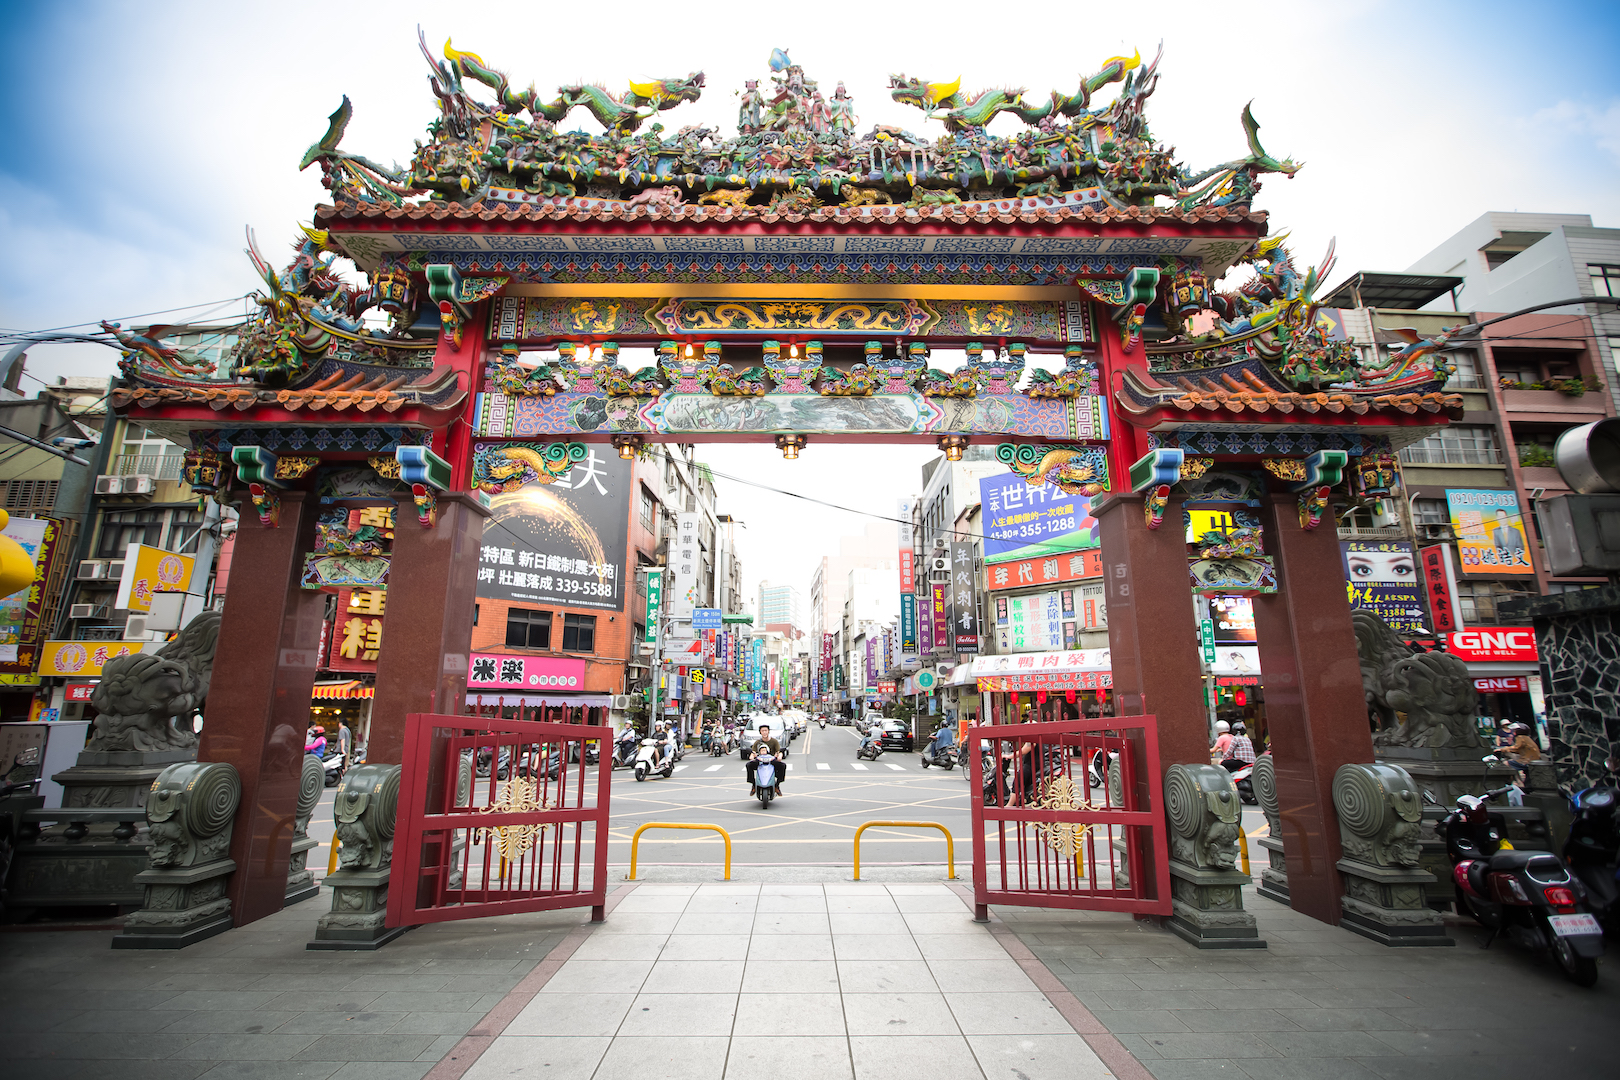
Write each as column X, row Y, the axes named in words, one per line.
column 1592, row 850
column 536, row 759
column 336, row 764
column 1097, row 768
column 998, row 782
column 486, row 758
column 1530, row 896
column 647, row 758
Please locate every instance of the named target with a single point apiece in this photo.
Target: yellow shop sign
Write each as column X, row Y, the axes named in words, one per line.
column 86, row 657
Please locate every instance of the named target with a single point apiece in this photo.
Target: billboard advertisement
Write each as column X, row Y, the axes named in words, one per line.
column 1023, row 520
column 1490, row 531
column 23, row 618
column 149, row 570
column 356, row 639
column 1440, row 584
column 964, row 613
column 1382, row 577
column 561, row 543
column 492, row 671
column 85, row 658
column 1494, row 645
column 1232, row 619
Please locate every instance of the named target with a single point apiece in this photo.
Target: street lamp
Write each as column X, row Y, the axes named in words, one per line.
column 628, row 446
column 953, row 445
column 790, row 445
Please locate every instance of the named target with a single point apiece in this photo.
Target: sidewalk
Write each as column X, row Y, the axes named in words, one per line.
column 784, row 980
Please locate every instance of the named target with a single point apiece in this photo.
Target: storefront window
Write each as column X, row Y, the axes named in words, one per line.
column 527, row 629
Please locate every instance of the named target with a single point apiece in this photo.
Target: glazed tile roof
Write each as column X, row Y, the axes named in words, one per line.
column 979, row 213
column 340, row 392
column 1242, row 396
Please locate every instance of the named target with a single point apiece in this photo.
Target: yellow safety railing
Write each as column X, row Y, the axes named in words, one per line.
column 950, row 842
column 331, row 864
column 636, row 839
column 1243, row 846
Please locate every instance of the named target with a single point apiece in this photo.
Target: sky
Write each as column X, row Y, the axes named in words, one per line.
column 142, row 139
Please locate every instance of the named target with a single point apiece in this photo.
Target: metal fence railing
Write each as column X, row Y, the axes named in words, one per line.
column 157, row 466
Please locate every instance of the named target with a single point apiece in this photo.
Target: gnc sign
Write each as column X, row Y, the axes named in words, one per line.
column 1507, row 643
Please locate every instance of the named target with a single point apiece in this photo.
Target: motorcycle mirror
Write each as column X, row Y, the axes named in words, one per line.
column 1491, row 759
column 29, row 756
column 1428, row 797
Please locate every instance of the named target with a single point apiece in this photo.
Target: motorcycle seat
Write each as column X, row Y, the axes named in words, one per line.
column 1519, row 859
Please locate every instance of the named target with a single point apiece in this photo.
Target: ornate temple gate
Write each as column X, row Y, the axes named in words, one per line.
column 1042, row 838
column 793, row 284
column 469, row 845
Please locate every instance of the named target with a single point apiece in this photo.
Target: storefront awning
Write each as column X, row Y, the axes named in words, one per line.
column 351, row 689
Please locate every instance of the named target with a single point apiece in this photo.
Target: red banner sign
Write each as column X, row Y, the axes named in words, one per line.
column 1440, row 584
column 1503, row 684
column 942, row 618
column 1056, row 680
column 1044, row 570
column 1494, row 644
column 79, row 691
column 357, row 635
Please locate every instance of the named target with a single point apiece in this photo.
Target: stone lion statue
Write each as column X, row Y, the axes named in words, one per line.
column 141, row 696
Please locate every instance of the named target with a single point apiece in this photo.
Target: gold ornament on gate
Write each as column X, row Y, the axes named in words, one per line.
column 518, row 797
column 1062, row 837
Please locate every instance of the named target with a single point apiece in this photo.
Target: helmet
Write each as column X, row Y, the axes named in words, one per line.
column 1238, row 729
column 1222, row 727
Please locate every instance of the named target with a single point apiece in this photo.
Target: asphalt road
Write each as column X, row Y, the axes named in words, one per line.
column 828, row 795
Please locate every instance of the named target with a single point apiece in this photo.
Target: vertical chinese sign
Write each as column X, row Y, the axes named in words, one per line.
column 964, row 613
column 357, row 636
column 685, row 567
column 1440, row 585
column 908, row 586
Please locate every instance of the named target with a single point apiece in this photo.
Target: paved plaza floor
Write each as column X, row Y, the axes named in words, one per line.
column 788, row 979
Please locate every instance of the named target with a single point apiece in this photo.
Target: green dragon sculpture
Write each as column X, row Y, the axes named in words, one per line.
column 619, row 113
column 1234, row 181
column 858, row 381
column 723, row 380
column 966, row 112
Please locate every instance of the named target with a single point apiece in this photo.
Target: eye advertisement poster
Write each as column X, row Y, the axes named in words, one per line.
column 1382, row 577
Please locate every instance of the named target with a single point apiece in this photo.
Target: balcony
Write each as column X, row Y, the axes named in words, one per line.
column 1393, row 532
column 157, row 466
column 1451, row 455
column 1554, row 405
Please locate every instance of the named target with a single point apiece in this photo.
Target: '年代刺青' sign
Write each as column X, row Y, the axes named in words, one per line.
column 1045, row 570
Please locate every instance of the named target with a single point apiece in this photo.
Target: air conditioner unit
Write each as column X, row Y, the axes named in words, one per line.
column 941, row 544
column 1435, row 530
column 621, row 702
column 138, row 485
column 115, row 569
column 135, row 628
column 82, row 611
column 1384, row 514
column 109, row 485
column 940, row 565
column 91, row 570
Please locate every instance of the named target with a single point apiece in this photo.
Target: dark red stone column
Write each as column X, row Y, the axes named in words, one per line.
column 1152, row 636
column 258, row 699
column 1316, row 713
column 431, row 591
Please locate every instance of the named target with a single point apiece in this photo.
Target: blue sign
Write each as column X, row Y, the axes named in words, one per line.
column 1022, row 520
column 706, row 618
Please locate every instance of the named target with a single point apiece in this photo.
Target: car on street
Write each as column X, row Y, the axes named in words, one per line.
column 896, row 735
column 750, row 735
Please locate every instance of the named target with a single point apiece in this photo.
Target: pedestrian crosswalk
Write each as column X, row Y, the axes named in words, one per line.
column 857, row 765
column 714, row 768
column 822, row 765
column 909, row 766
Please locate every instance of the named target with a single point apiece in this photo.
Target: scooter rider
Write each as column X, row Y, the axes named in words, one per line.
column 944, row 739
column 627, row 745
column 767, row 743
column 874, row 731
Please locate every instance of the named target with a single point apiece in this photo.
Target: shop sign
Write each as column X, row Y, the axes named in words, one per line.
column 685, row 566
column 926, row 680
column 79, row 691
column 1206, row 637
column 885, row 687
column 655, row 600
column 1495, row 645
column 908, row 625
column 1047, row 570
column 357, row 637
column 1056, row 680
column 1503, row 684
column 941, row 614
column 86, row 658
column 1440, row 584
column 1381, row 576
column 496, row 672
column 25, row 614
column 1237, row 680
column 149, row 570
column 1022, row 520
column 964, row 612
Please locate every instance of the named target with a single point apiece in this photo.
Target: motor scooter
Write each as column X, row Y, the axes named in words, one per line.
column 873, row 750
column 765, row 766
column 336, row 764
column 1244, row 779
column 1097, row 768
column 945, row 759
column 998, row 782
column 624, row 752
column 1529, row 896
column 647, row 761
column 1592, row 849
column 486, row 758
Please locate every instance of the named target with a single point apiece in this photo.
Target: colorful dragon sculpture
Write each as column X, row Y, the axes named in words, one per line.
column 1234, row 181
column 966, row 112
column 507, row 467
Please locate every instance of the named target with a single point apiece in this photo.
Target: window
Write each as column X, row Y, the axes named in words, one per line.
column 1455, row 446
column 1479, row 599
column 475, row 614
column 147, row 454
column 638, row 633
column 527, row 629
column 185, row 529
column 1614, row 352
column 120, row 530
column 1467, row 376
column 579, row 633
column 1605, row 280
column 649, row 510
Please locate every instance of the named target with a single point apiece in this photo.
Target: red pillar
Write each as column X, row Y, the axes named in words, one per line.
column 432, row 583
column 1316, row 713
column 258, row 699
column 1152, row 637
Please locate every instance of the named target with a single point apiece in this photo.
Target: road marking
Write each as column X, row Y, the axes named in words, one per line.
column 714, row 768
column 680, row 768
column 858, row 765
column 822, row 765
column 898, row 768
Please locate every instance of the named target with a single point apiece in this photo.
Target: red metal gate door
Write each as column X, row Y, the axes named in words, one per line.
column 1044, row 836
column 499, row 815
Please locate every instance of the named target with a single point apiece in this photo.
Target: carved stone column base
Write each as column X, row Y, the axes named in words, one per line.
column 184, row 905
column 359, row 906
column 1274, row 877
column 301, row 884
column 1207, row 908
column 1387, row 904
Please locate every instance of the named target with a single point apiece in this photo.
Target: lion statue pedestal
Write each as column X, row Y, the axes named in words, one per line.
column 1380, row 815
column 1206, row 888
column 364, row 812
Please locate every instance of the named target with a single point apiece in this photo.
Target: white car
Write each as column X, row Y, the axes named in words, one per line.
column 750, row 735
